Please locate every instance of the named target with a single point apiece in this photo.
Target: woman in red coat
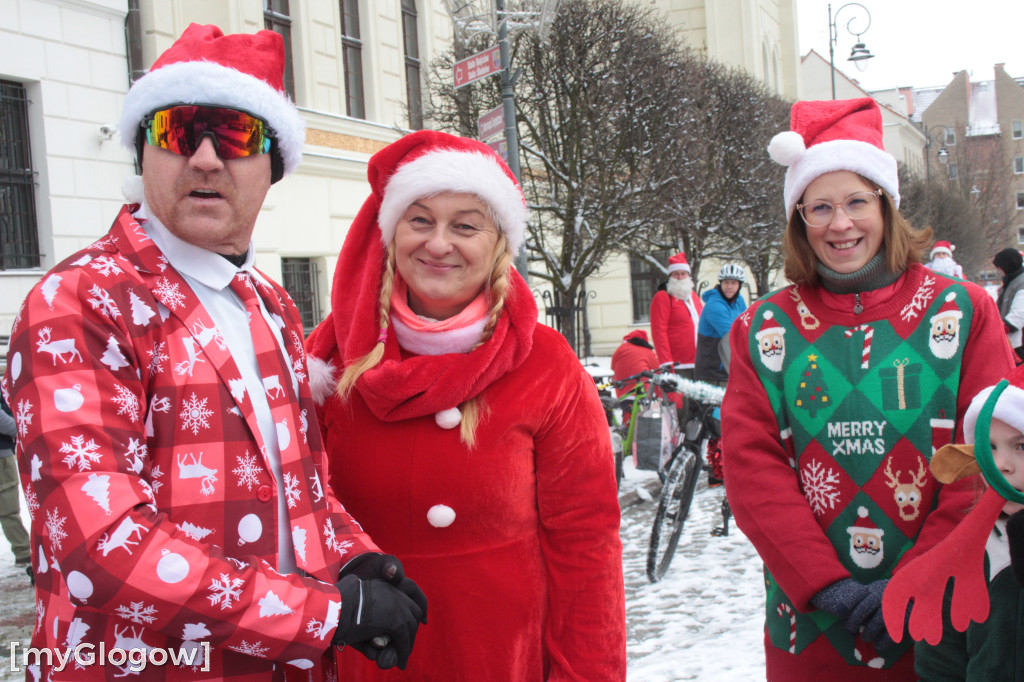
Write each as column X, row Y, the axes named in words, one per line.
column 465, row 436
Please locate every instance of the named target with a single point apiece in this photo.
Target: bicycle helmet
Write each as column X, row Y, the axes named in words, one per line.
column 731, row 271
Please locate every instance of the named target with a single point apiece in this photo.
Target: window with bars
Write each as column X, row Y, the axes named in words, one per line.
column 19, row 236
column 645, row 278
column 352, row 52
column 301, row 278
column 412, row 64
column 277, row 18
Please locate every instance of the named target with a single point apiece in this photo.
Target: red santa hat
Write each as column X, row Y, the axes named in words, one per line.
column 769, row 326
column 239, row 71
column 864, row 525
column 1009, row 408
column 949, row 308
column 942, row 247
column 638, row 334
column 445, row 163
column 833, row 135
column 677, row 263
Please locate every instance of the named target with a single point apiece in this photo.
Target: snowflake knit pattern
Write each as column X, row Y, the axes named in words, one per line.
column 860, row 410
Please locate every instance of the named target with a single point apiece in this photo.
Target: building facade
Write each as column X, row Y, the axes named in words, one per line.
column 355, row 74
column 976, row 135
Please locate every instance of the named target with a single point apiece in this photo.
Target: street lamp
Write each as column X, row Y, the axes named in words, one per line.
column 942, row 154
column 859, row 54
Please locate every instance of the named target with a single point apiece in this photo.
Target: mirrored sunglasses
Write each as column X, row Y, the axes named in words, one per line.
column 181, row 129
column 857, row 206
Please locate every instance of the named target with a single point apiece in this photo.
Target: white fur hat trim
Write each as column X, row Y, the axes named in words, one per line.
column 440, row 516
column 201, row 82
column 836, row 155
column 1009, row 409
column 450, row 170
column 448, row 419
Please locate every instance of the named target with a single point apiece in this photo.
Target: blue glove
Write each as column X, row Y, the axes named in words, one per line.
column 840, row 598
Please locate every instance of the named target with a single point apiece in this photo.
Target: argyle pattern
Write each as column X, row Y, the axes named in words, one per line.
column 860, row 411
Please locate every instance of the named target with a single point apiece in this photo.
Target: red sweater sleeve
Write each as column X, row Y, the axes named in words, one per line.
column 987, row 358
column 661, row 311
column 762, row 485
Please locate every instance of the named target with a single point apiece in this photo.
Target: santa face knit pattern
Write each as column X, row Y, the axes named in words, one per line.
column 852, row 407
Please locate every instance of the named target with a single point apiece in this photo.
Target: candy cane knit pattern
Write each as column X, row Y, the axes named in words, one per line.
column 782, row 611
column 868, row 334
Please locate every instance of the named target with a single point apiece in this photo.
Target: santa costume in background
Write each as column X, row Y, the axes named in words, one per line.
column 941, row 260
column 674, row 318
column 515, row 540
column 837, row 396
column 634, row 355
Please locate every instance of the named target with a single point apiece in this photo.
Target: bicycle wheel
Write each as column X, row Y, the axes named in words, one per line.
column 674, row 507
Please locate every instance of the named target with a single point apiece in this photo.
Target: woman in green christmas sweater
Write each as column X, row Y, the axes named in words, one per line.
column 840, row 388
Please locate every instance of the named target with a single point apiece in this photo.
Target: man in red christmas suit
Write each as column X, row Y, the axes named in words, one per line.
column 635, row 355
column 674, row 314
column 175, row 479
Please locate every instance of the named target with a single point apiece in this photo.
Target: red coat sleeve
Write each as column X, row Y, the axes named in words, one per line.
column 762, row 485
column 661, row 311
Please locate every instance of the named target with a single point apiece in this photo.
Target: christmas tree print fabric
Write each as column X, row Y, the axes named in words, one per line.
column 860, row 410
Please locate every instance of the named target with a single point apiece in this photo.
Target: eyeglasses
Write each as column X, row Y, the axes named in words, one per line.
column 181, row 129
column 857, row 206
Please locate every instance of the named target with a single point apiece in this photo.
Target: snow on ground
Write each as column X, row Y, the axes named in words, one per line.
column 705, row 619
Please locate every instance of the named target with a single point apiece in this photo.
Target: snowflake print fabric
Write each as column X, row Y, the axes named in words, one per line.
column 136, row 453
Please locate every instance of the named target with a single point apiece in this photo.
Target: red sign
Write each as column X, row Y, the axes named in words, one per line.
column 491, row 123
column 480, row 65
column 500, row 148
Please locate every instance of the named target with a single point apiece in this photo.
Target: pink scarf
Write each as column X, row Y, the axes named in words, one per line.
column 424, row 336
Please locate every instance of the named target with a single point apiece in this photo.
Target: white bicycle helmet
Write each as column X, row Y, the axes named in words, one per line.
column 731, row 271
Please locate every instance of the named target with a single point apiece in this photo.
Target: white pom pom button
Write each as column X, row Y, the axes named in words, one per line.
column 441, row 516
column 448, row 419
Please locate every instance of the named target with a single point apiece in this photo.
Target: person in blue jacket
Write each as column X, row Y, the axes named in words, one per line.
column 722, row 305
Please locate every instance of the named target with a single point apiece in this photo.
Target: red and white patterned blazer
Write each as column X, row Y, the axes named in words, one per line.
column 154, row 508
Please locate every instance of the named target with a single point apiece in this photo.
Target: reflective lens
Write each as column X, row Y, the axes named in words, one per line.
column 181, row 129
column 857, row 206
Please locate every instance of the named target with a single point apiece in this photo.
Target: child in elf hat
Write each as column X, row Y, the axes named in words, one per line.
column 991, row 648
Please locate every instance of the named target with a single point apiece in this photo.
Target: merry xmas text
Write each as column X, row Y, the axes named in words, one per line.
column 856, row 438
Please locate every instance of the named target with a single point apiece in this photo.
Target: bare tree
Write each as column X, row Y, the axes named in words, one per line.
column 725, row 201
column 600, row 129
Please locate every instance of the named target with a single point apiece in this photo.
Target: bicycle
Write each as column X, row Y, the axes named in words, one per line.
column 632, row 404
column 689, row 458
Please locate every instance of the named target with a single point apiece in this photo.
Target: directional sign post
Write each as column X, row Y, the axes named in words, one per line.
column 491, row 123
column 480, row 65
column 500, row 148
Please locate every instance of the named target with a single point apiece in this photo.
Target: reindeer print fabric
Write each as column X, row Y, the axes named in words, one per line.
column 154, row 507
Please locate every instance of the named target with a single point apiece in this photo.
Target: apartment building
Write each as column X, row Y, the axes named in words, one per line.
column 976, row 140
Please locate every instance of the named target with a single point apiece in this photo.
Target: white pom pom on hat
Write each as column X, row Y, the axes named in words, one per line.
column 787, row 148
column 836, row 135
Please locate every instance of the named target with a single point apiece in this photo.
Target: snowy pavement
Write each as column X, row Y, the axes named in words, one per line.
column 702, row 621
column 705, row 619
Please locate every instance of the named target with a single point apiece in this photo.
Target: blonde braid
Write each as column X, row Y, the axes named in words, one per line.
column 497, row 289
column 373, row 358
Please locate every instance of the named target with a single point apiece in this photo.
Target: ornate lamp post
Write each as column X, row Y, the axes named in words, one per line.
column 943, row 152
column 859, row 54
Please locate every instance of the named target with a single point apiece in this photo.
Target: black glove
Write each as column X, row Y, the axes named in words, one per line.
column 377, row 620
column 1015, row 538
column 386, row 567
column 840, row 598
